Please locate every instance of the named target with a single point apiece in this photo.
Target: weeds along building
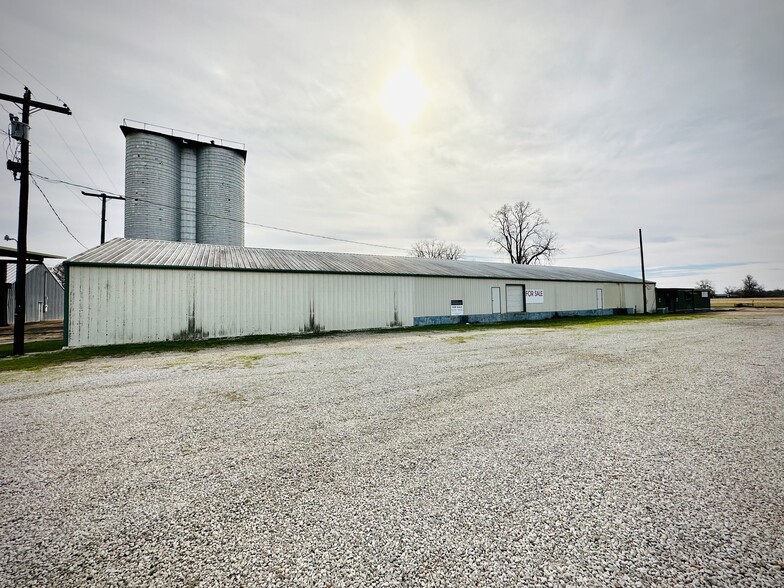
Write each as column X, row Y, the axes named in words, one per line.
column 131, row 291
column 183, row 187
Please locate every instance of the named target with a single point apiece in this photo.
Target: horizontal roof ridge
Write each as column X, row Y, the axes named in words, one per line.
column 175, row 254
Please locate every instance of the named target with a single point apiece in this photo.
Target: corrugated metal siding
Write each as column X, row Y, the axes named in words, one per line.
column 188, row 195
column 433, row 295
column 220, row 197
column 41, row 289
column 128, row 305
column 113, row 305
column 196, row 255
column 152, row 187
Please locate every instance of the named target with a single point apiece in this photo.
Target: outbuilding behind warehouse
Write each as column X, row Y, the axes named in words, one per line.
column 130, row 291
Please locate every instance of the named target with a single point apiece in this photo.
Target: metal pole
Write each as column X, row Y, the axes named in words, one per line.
column 103, row 220
column 21, row 237
column 23, row 168
column 104, row 198
column 644, row 288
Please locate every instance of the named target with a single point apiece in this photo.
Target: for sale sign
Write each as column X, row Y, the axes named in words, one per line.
column 534, row 296
column 457, row 308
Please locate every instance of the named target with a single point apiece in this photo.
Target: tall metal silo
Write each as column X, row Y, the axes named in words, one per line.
column 220, row 196
column 152, row 186
column 183, row 187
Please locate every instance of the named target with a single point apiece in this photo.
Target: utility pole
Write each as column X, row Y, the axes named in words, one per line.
column 644, row 289
column 103, row 198
column 23, row 168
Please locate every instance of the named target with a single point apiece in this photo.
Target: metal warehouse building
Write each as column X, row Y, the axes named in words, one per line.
column 131, row 291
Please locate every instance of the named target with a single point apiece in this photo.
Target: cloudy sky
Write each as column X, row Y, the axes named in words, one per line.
column 609, row 116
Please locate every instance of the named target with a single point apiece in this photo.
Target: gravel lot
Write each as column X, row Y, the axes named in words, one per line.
column 634, row 455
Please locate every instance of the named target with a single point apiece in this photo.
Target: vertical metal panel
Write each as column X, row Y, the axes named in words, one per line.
column 130, row 305
column 112, row 305
column 515, row 302
column 152, row 187
column 220, row 197
column 44, row 297
column 188, row 195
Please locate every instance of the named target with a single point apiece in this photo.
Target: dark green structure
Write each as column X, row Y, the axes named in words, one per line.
column 682, row 300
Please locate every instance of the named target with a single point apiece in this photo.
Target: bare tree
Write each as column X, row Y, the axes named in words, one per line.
column 436, row 249
column 521, row 231
column 707, row 285
column 750, row 287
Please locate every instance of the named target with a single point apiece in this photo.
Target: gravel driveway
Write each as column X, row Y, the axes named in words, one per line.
column 647, row 454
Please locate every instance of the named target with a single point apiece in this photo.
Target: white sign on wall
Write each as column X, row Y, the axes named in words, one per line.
column 457, row 307
column 534, row 296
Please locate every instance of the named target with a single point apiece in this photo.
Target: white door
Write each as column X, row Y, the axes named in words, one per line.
column 495, row 296
column 514, row 299
column 599, row 298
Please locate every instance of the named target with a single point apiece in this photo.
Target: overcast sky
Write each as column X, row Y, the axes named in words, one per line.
column 609, row 116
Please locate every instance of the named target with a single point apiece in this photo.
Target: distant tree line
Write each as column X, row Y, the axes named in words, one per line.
column 749, row 288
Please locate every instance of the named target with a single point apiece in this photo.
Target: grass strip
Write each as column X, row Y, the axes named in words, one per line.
column 42, row 354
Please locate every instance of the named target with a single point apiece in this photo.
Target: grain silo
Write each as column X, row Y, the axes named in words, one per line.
column 182, row 187
column 220, row 195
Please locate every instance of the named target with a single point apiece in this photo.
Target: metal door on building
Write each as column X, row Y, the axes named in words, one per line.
column 599, row 298
column 495, row 296
column 515, row 302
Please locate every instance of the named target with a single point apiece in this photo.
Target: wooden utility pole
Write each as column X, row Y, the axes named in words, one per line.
column 103, row 198
column 644, row 289
column 23, row 168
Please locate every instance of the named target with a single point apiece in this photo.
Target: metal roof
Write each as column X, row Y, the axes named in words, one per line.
column 32, row 256
column 171, row 254
column 184, row 136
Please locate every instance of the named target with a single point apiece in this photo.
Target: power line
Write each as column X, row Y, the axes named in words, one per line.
column 69, row 188
column 98, row 159
column 12, row 75
column 89, row 177
column 603, row 254
column 252, row 224
column 28, row 72
column 74, row 184
column 57, row 215
column 249, row 223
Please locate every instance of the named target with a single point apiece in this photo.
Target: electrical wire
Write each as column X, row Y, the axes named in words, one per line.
column 69, row 188
column 59, row 181
column 603, row 254
column 252, row 224
column 12, row 75
column 28, row 72
column 98, row 159
column 57, row 215
column 249, row 223
column 68, row 146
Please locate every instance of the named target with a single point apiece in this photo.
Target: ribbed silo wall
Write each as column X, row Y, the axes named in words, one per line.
column 152, row 187
column 188, row 183
column 220, row 197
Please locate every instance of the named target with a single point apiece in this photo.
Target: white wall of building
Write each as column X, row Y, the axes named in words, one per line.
column 115, row 305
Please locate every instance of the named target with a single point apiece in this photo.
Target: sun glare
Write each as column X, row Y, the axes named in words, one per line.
column 404, row 96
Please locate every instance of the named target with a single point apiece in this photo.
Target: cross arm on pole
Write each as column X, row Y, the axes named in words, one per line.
column 36, row 104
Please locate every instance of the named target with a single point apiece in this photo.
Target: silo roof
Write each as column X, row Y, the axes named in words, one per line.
column 144, row 253
column 187, row 137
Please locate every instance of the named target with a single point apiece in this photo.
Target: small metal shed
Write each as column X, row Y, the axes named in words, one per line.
column 682, row 300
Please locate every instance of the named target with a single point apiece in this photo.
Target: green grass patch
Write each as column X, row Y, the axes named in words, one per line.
column 36, row 359
column 32, row 347
column 43, row 354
